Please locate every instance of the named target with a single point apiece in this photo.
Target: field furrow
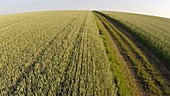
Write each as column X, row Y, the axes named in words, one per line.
column 31, row 66
column 83, row 53
column 55, row 57
column 151, row 32
column 151, row 81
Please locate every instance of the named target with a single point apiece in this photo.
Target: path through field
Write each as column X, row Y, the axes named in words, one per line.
column 145, row 69
column 74, row 53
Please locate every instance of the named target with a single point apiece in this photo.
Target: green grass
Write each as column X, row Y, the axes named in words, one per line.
column 144, row 70
column 126, row 84
column 80, row 53
column 152, row 32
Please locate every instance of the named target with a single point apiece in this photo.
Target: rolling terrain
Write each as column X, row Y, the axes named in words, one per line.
column 84, row 53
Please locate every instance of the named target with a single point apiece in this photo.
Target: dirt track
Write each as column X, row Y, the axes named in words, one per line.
column 136, row 57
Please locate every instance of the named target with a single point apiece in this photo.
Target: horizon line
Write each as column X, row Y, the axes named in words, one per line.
column 128, row 12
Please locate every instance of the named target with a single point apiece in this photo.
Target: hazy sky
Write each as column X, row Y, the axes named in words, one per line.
column 152, row 7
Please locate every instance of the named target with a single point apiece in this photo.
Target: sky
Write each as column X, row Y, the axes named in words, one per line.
column 150, row 7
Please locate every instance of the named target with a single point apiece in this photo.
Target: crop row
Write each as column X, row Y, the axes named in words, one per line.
column 152, row 32
column 60, row 55
column 18, row 55
column 151, row 80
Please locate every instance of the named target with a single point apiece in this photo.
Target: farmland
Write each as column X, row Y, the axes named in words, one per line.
column 153, row 32
column 83, row 53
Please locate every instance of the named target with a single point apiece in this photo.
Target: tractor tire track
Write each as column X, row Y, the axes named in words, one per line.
column 72, row 57
column 59, row 47
column 20, row 21
column 130, row 53
column 9, row 43
column 28, row 69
